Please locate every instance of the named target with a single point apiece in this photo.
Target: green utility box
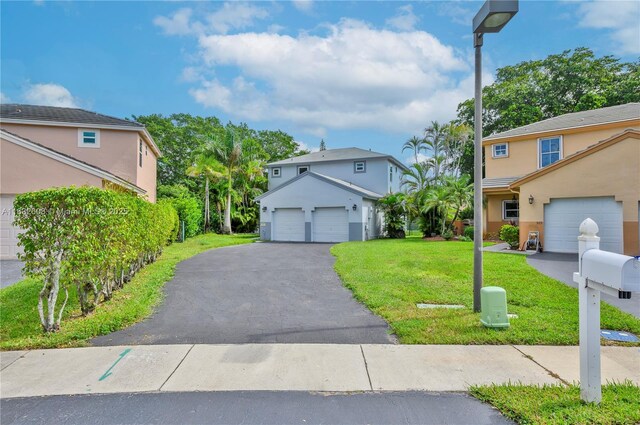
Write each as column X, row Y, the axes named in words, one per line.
column 493, row 302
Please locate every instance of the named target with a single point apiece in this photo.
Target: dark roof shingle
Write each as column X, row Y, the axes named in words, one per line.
column 58, row 114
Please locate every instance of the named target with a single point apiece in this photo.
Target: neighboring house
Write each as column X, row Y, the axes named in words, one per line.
column 43, row 147
column 551, row 175
column 327, row 196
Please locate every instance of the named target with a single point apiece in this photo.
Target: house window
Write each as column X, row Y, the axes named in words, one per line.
column 303, row 169
column 500, row 150
column 390, row 174
column 140, row 151
column 88, row 138
column 549, row 151
column 275, row 172
column 510, row 210
column 146, row 150
column 360, row 167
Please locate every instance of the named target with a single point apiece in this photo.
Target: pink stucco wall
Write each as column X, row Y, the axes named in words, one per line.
column 146, row 174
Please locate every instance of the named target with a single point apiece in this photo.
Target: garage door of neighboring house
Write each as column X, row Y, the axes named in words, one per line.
column 562, row 218
column 8, row 232
column 288, row 225
column 330, row 225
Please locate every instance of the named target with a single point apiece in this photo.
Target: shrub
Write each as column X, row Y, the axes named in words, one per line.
column 88, row 237
column 468, row 232
column 447, row 235
column 394, row 207
column 464, row 239
column 189, row 208
column 511, row 235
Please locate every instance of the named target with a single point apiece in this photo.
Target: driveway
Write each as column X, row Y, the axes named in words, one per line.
column 562, row 267
column 257, row 293
column 10, row 272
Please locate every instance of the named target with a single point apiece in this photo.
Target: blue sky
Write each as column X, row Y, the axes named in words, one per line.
column 365, row 74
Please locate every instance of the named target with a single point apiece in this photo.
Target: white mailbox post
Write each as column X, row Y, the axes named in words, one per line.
column 599, row 271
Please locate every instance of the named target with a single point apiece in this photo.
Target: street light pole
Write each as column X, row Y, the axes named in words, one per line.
column 492, row 17
column 477, row 177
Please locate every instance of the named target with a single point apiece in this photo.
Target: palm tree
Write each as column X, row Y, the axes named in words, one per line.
column 434, row 139
column 205, row 165
column 458, row 136
column 415, row 144
column 437, row 200
column 416, row 177
column 227, row 150
column 460, row 193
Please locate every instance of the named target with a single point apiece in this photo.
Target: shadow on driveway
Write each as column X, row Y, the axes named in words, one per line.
column 257, row 293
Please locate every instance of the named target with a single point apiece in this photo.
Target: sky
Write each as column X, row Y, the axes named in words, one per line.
column 368, row 74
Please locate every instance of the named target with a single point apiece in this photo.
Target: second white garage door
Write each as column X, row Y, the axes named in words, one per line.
column 8, row 232
column 330, row 225
column 288, row 225
column 562, row 217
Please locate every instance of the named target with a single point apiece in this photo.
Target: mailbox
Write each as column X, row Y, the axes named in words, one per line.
column 619, row 272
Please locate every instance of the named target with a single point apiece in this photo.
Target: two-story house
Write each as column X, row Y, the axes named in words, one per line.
column 551, row 175
column 327, row 196
column 43, row 147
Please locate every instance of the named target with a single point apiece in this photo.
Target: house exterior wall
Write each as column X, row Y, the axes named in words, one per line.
column 309, row 193
column 21, row 170
column 493, row 211
column 523, row 150
column 376, row 177
column 117, row 154
column 600, row 174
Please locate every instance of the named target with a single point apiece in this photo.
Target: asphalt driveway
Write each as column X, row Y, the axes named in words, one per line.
column 562, row 266
column 257, row 293
column 10, row 272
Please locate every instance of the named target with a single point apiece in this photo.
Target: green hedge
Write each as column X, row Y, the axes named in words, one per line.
column 511, row 235
column 88, row 237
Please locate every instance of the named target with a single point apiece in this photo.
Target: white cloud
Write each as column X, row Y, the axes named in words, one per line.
column 4, row 98
column 412, row 159
column 458, row 12
column 620, row 17
column 354, row 77
column 49, row 94
column 404, row 20
column 230, row 16
column 303, row 5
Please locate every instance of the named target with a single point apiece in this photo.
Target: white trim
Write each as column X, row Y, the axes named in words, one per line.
column 493, row 150
column 70, row 161
column 82, row 144
column 561, row 150
column 504, row 201
column 148, row 139
column 273, row 172
column 302, row 166
column 364, row 167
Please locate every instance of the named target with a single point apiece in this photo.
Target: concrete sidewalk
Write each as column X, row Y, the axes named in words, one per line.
column 296, row 367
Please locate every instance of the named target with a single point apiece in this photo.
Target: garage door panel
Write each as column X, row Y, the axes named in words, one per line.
column 9, row 248
column 330, row 225
column 288, row 225
column 562, row 218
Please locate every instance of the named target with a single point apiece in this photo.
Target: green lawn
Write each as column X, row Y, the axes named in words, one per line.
column 20, row 327
column 558, row 404
column 391, row 276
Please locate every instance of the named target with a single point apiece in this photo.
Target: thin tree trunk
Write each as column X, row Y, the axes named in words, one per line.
column 226, row 229
column 206, row 205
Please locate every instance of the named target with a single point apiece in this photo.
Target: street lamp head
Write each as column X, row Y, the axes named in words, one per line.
column 493, row 15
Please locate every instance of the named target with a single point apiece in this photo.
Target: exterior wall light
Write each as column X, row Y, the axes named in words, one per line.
column 264, row 209
column 354, row 207
column 531, row 199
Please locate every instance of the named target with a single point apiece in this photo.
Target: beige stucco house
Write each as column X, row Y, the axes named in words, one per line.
column 550, row 175
column 43, row 147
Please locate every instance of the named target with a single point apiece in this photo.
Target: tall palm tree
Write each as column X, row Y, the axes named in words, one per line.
column 416, row 177
column 457, row 137
column 434, row 139
column 437, row 200
column 227, row 150
column 416, row 145
column 460, row 193
column 205, row 165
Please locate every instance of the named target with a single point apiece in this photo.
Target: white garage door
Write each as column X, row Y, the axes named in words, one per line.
column 288, row 225
column 8, row 232
column 562, row 217
column 330, row 225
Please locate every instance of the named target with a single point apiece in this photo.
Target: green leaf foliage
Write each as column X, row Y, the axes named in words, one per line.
column 510, row 234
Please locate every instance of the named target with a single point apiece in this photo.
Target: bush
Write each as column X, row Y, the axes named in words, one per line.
column 464, row 239
column 511, row 235
column 468, row 232
column 189, row 208
column 88, row 237
column 447, row 235
column 394, row 207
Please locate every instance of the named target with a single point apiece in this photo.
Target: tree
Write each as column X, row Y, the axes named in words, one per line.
column 568, row 82
column 437, row 200
column 460, row 192
column 416, row 145
column 323, row 146
column 394, row 207
column 434, row 140
column 207, row 166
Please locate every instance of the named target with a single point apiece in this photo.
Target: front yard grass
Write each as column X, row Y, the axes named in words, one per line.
column 20, row 327
column 392, row 276
column 558, row 404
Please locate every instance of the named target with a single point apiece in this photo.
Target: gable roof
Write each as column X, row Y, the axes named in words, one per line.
column 575, row 120
column 58, row 114
column 341, row 154
column 331, row 180
column 69, row 117
column 498, row 182
column 68, row 160
column 630, row 133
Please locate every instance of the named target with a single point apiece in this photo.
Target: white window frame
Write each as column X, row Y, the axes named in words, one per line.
column 560, row 152
column 506, row 150
column 278, row 174
column 82, row 144
column 504, row 210
column 303, row 166
column 355, row 167
column 140, row 153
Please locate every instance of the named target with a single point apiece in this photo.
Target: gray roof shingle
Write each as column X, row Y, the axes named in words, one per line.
column 58, row 114
column 625, row 112
column 498, row 182
column 335, row 155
